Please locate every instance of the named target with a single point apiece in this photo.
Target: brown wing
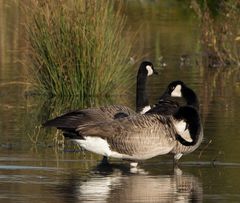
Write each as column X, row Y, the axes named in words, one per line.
column 73, row 119
column 138, row 135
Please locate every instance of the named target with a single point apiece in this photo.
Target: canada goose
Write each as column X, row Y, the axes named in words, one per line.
column 139, row 137
column 166, row 106
column 179, row 130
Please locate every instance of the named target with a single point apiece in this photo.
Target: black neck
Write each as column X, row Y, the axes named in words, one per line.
column 191, row 98
column 142, row 98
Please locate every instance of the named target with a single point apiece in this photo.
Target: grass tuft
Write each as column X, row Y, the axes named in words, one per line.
column 77, row 47
column 220, row 32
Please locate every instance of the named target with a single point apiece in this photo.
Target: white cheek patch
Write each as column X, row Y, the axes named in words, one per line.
column 177, row 91
column 150, row 70
column 182, row 131
column 186, row 136
column 180, row 126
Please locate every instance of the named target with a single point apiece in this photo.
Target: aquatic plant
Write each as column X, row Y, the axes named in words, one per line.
column 39, row 109
column 220, row 32
column 77, row 47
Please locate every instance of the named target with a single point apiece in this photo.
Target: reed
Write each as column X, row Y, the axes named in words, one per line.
column 40, row 109
column 220, row 32
column 77, row 47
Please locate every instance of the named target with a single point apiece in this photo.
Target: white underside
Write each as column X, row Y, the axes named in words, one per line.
column 100, row 146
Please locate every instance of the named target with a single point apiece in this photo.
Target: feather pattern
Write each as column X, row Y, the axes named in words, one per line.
column 140, row 137
column 135, row 137
column 164, row 107
column 73, row 119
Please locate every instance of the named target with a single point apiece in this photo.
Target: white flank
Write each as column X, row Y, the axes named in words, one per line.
column 177, row 91
column 150, row 70
column 182, row 131
column 145, row 109
column 98, row 146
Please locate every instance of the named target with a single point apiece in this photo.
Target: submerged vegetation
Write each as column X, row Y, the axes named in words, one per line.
column 77, row 47
column 220, row 31
column 40, row 109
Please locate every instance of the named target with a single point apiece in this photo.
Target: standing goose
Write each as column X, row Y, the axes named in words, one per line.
column 140, row 137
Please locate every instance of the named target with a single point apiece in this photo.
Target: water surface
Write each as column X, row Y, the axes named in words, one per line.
column 34, row 167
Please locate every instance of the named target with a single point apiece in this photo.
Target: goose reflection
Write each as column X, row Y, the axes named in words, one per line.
column 116, row 183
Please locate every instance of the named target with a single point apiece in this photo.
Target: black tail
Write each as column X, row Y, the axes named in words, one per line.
column 69, row 121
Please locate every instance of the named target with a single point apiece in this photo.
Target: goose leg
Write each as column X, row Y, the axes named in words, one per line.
column 176, row 158
column 177, row 170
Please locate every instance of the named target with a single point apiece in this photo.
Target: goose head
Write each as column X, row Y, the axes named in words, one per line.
column 146, row 69
column 180, row 89
column 188, row 125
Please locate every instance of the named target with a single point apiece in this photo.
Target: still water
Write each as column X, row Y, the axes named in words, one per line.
column 35, row 167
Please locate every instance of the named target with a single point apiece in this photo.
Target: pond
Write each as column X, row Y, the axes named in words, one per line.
column 37, row 166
